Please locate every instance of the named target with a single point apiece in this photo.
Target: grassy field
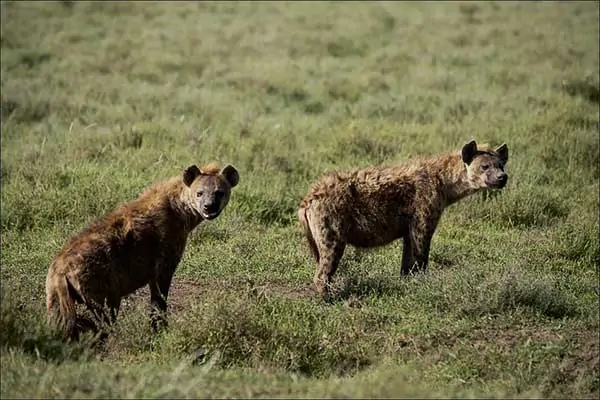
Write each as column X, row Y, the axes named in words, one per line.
column 99, row 100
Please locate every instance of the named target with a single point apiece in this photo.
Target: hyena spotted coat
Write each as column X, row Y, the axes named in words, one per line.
column 140, row 243
column 377, row 205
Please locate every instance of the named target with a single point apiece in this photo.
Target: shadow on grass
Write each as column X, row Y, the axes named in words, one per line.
column 453, row 292
column 24, row 110
column 584, row 89
column 518, row 290
column 353, row 289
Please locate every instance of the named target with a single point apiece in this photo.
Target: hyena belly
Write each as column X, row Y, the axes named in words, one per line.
column 376, row 222
column 371, row 230
column 136, row 262
column 132, row 275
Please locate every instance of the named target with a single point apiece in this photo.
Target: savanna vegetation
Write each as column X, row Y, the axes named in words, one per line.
column 101, row 99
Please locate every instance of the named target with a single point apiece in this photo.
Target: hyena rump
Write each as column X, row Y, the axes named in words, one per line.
column 140, row 243
column 377, row 205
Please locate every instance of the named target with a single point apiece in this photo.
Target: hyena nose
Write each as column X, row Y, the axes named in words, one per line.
column 503, row 177
column 212, row 207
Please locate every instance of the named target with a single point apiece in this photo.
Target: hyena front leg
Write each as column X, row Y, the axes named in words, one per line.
column 159, row 291
column 415, row 254
column 407, row 256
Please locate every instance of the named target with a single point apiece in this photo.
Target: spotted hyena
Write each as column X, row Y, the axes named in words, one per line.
column 377, row 205
column 140, row 243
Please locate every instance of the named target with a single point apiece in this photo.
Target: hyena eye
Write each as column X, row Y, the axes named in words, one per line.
column 485, row 166
column 199, row 194
column 219, row 193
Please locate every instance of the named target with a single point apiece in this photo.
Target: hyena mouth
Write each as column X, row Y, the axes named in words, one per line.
column 499, row 184
column 209, row 216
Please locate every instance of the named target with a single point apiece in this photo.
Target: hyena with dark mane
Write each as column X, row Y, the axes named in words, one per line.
column 374, row 206
column 140, row 243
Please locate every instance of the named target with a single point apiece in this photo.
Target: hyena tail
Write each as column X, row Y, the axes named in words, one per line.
column 61, row 304
column 307, row 231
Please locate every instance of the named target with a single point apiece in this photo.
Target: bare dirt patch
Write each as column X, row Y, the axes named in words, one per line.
column 184, row 292
column 285, row 290
column 505, row 338
column 509, row 338
column 581, row 363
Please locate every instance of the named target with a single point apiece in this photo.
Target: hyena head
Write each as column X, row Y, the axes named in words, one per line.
column 485, row 166
column 210, row 188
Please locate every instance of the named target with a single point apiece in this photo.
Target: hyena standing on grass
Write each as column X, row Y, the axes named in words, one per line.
column 375, row 206
column 140, row 243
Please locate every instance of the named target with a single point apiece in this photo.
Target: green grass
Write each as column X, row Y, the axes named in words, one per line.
column 101, row 99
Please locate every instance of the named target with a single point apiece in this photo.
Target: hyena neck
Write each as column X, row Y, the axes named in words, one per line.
column 453, row 176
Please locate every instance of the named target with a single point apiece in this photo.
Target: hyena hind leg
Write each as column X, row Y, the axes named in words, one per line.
column 328, row 263
column 105, row 316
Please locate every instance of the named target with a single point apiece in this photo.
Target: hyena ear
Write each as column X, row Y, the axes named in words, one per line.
column 190, row 174
column 468, row 152
column 503, row 153
column 231, row 174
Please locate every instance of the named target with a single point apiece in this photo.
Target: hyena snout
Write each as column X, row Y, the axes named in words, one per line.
column 500, row 180
column 212, row 206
